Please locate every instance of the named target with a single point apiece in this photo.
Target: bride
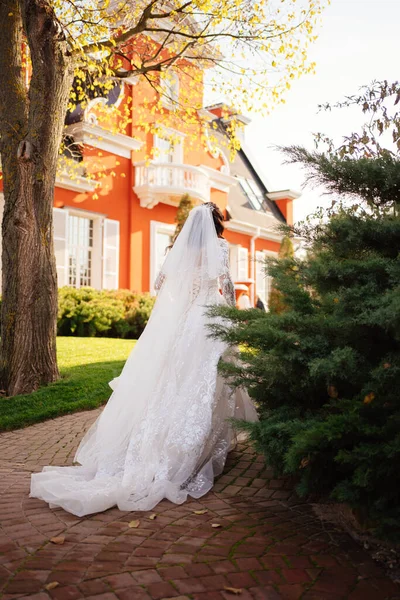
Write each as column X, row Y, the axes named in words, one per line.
column 164, row 432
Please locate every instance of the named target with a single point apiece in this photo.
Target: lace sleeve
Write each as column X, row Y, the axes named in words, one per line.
column 159, row 281
column 225, row 280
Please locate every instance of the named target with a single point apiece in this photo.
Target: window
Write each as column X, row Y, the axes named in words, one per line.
column 169, row 84
column 233, row 261
column 243, row 264
column 111, row 237
column 168, row 147
column 161, row 235
column 252, row 192
column 163, row 240
column 239, row 262
column 263, row 280
column 165, row 150
column 86, row 246
column 80, row 250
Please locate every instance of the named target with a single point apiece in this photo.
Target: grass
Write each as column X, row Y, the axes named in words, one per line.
column 86, row 366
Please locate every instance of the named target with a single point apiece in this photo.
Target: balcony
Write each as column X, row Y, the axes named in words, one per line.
column 168, row 182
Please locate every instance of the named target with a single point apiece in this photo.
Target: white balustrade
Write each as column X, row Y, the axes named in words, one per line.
column 171, row 179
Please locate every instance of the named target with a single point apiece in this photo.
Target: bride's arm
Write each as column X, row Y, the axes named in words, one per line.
column 228, row 288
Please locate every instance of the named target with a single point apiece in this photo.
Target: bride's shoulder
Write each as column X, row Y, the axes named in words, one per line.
column 223, row 241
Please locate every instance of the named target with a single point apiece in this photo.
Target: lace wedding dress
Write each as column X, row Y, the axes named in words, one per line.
column 164, row 432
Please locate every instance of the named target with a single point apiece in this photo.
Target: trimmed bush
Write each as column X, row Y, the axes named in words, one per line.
column 87, row 312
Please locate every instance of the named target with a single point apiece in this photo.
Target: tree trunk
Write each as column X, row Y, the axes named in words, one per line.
column 29, row 157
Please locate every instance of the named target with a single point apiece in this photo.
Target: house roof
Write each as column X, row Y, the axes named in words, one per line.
column 239, row 206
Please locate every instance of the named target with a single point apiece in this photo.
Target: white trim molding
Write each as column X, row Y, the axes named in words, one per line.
column 230, row 113
column 283, row 195
column 249, row 229
column 161, row 129
column 76, row 183
column 157, row 227
column 99, row 137
column 218, row 180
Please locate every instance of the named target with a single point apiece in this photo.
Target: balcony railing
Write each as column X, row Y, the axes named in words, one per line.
column 168, row 182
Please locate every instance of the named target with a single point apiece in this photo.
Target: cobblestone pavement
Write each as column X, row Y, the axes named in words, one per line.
column 268, row 545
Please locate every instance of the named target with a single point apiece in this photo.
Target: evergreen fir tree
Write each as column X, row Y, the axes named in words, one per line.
column 184, row 208
column 276, row 302
column 325, row 372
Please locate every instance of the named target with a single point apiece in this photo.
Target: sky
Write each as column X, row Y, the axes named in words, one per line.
column 357, row 43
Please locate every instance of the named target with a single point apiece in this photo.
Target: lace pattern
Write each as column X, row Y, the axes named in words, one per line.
column 165, row 432
column 159, row 281
column 225, row 280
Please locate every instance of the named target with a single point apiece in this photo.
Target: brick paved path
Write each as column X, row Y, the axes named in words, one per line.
column 269, row 545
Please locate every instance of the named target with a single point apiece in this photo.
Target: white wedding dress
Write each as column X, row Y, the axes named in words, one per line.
column 165, row 431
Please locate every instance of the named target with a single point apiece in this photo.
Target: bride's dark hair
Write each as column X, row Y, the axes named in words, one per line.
column 218, row 218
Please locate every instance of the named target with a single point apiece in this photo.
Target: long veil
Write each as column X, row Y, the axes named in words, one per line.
column 124, row 447
column 164, row 431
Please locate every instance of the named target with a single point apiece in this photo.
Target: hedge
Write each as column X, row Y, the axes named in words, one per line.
column 87, row 312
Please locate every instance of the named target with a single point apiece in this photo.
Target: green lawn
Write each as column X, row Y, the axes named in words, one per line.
column 86, row 366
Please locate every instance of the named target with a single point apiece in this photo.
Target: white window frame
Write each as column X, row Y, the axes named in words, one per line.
column 155, row 228
column 80, row 248
column 252, row 192
column 107, row 246
column 97, row 248
column 233, row 260
column 243, row 264
column 260, row 256
column 239, row 262
column 175, row 138
column 170, row 88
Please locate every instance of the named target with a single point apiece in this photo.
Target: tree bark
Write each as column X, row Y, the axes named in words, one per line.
column 29, row 147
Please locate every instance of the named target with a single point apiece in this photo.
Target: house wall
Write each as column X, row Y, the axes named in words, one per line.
column 286, row 208
column 140, row 250
column 111, row 199
column 115, row 199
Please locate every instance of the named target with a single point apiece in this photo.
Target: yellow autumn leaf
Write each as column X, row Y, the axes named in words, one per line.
column 369, row 398
column 216, row 525
column 332, row 391
column 134, row 524
column 233, row 590
column 51, row 585
column 153, row 516
column 58, row 540
column 200, row 512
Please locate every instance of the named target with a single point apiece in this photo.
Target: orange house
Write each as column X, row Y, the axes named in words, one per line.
column 114, row 216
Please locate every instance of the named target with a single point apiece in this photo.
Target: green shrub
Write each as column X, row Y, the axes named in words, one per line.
column 326, row 372
column 87, row 312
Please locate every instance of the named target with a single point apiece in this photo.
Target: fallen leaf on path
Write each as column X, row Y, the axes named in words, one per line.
column 58, row 540
column 216, row 525
column 232, row 590
column 200, row 512
column 134, row 524
column 51, row 585
column 153, row 516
